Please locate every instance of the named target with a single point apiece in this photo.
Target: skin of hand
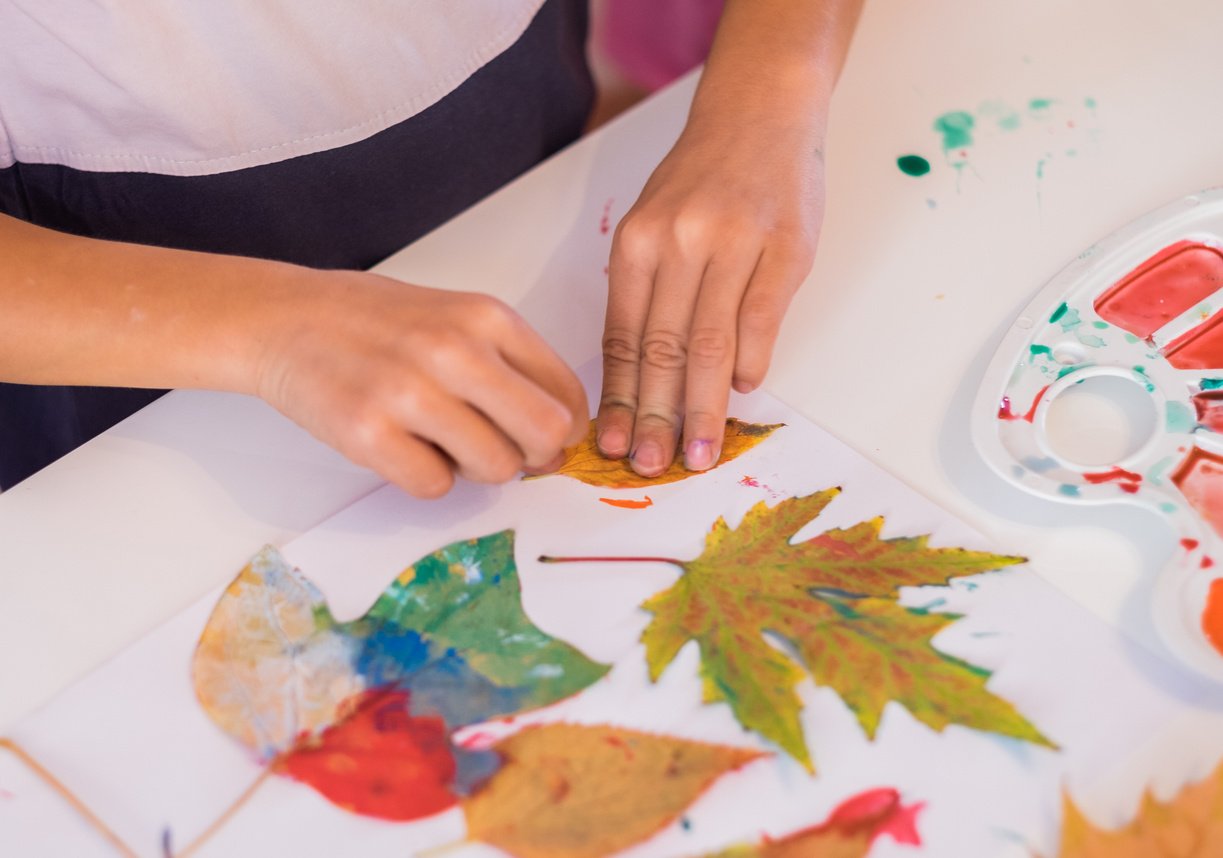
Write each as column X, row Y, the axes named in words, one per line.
column 417, row 384
column 705, row 263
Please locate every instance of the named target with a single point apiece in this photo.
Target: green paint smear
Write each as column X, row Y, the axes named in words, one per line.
column 1066, row 370
column 1155, row 475
column 1168, row 507
column 1068, row 490
column 1069, row 320
column 1141, row 373
column 1010, row 122
column 913, row 165
column 1179, row 418
column 1090, row 340
column 1059, row 312
column 1211, row 383
column 1100, row 325
column 1040, row 350
column 1038, row 104
column 956, row 128
column 1130, row 338
column 1089, row 103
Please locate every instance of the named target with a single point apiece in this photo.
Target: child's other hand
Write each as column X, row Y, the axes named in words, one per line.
column 420, row 384
column 703, row 268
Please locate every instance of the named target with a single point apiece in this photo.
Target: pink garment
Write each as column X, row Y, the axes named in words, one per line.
column 652, row 42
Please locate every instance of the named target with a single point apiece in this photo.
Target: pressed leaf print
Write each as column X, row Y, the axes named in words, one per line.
column 584, row 462
column 571, row 791
column 1188, row 826
column 351, row 708
column 831, row 600
column 849, row 832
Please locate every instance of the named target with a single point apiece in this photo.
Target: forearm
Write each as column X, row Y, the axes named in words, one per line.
column 83, row 311
column 776, row 58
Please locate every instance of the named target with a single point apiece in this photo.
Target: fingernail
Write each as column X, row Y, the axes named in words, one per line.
column 699, row 455
column 647, row 458
column 613, row 441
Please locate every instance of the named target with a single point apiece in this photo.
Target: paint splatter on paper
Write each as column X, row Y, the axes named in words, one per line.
column 1188, row 826
column 445, row 646
column 832, row 599
column 585, row 463
column 849, row 832
column 570, row 791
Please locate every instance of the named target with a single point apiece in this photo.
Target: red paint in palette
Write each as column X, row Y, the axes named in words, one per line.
column 1163, row 287
column 1189, row 544
column 1127, row 481
column 1004, row 407
column 1212, row 617
column 1209, row 407
column 1200, row 479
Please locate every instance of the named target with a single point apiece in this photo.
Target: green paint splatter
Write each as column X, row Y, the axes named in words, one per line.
column 1089, row 103
column 1100, row 325
column 1069, row 320
column 1039, row 350
column 1009, row 122
column 1155, row 475
column 1068, row 490
column 1090, row 340
column 1130, row 338
column 1066, row 370
column 1211, row 383
column 1059, row 312
column 956, row 128
column 1140, row 373
column 913, row 165
column 1179, row 418
column 1168, row 507
column 1038, row 105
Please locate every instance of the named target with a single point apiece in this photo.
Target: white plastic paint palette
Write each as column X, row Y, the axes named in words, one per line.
column 1108, row 388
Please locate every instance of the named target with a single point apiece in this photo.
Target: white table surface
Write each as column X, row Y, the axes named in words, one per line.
column 915, row 281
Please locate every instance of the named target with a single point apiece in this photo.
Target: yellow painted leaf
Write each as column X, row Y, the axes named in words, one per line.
column 571, row 791
column 848, row 832
column 584, row 462
column 1188, row 826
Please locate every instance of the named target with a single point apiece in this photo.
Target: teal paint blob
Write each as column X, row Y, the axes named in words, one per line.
column 1168, row 507
column 1100, row 325
column 1089, row 103
column 1039, row 104
column 956, row 128
column 1130, row 338
column 1010, row 122
column 1155, row 475
column 1179, row 418
column 1040, row 350
column 913, row 165
column 1039, row 465
column 1068, row 490
column 1211, row 383
column 1059, row 312
column 1140, row 372
column 1089, row 340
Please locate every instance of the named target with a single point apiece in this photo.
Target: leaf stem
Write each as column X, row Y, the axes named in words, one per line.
column 67, row 795
column 221, row 820
column 544, row 558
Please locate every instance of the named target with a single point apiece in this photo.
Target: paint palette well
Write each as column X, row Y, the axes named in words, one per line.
column 1108, row 388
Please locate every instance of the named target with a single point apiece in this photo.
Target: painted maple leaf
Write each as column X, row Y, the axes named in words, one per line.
column 1188, row 826
column 830, row 602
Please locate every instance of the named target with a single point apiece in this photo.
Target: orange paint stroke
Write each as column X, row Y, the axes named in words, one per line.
column 627, row 503
column 1212, row 617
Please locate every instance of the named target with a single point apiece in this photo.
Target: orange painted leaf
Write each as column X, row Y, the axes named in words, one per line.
column 379, row 760
column 584, row 462
column 1188, row 826
column 849, row 831
column 831, row 599
column 570, row 791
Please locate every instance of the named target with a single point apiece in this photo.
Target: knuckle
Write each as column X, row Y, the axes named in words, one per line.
column 664, row 350
column 692, row 230
column 635, row 238
column 366, row 431
column 622, row 346
column 490, row 314
column 759, row 320
column 709, row 348
column 553, row 428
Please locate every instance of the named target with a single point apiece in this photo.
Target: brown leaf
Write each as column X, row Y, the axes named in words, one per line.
column 1188, row 826
column 584, row 462
column 570, row 791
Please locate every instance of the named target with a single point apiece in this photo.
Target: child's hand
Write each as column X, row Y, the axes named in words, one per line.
column 420, row 384
column 702, row 270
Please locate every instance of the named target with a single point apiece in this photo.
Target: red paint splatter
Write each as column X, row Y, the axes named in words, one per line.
column 875, row 812
column 1127, row 481
column 605, row 221
column 1206, row 563
column 1189, row 544
column 1161, row 288
column 1212, row 617
column 379, row 761
column 478, row 741
column 1200, row 479
column 627, row 503
column 5, row 795
column 1004, row 407
column 617, row 742
column 749, row 482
